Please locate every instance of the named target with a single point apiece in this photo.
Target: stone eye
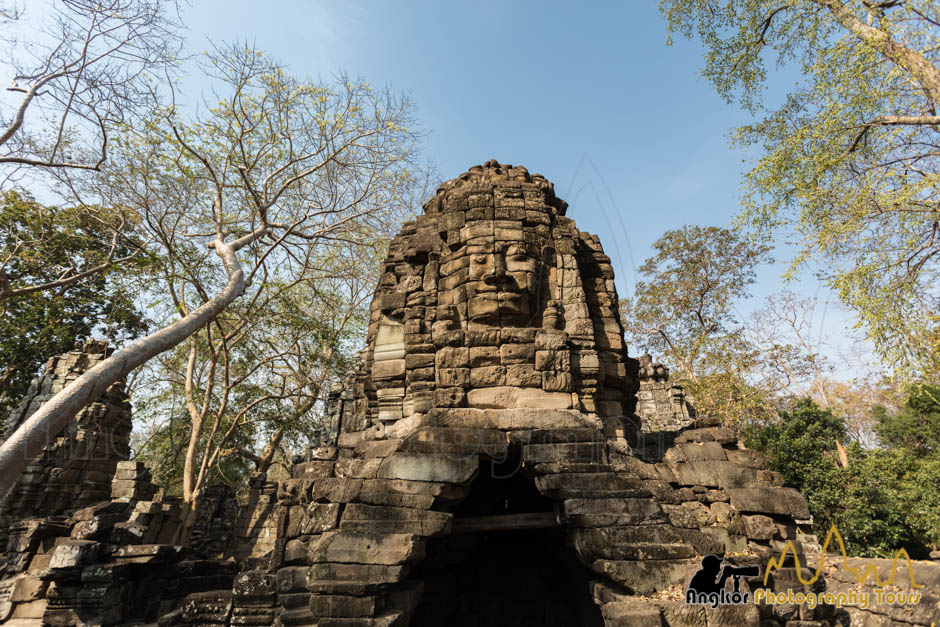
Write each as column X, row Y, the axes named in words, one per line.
column 479, row 259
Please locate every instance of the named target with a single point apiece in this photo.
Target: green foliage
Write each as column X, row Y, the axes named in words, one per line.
column 885, row 506
column 849, row 159
column 800, row 446
column 683, row 309
column 37, row 245
column 885, row 499
column 916, row 427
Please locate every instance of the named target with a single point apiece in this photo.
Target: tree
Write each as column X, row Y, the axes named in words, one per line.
column 260, row 179
column 81, row 71
column 37, row 244
column 916, row 427
column 684, row 309
column 851, row 159
column 801, row 445
column 255, row 378
column 783, row 333
column 881, row 499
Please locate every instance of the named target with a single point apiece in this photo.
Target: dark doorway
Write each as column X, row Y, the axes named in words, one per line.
column 504, row 577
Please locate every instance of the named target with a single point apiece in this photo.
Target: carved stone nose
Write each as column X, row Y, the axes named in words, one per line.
column 497, row 272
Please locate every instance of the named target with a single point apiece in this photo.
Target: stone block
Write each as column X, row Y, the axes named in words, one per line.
column 71, row 553
column 344, row 606
column 523, row 375
column 505, row 397
column 487, row 376
column 590, row 485
column 453, row 357
column 691, row 515
column 556, row 381
column 696, row 451
column 759, row 527
column 713, row 473
column 510, row 419
column 390, row 369
column 481, row 356
column 313, row 469
column 449, row 397
column 357, row 468
column 748, row 458
column 365, row 548
column 607, row 512
column 516, row 354
column 453, row 377
column 765, row 500
column 312, row 518
column 359, row 518
column 722, row 435
column 429, row 467
column 575, row 452
column 454, row 441
column 420, row 360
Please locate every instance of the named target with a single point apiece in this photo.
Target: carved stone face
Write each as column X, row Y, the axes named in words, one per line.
column 502, row 281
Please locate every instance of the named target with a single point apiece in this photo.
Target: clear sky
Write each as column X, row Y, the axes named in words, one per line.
column 587, row 94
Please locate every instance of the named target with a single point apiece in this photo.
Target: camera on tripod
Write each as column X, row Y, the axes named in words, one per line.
column 738, row 572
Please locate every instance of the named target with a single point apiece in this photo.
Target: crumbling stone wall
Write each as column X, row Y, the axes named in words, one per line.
column 661, row 405
column 76, row 467
column 255, row 530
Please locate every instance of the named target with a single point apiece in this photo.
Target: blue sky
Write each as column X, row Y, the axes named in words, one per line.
column 588, row 95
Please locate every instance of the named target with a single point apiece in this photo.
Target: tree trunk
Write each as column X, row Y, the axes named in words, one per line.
column 184, row 534
column 49, row 420
column 919, row 67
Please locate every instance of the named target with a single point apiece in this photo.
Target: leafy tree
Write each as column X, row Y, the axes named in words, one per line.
column 38, row 244
column 684, row 311
column 800, row 446
column 684, row 307
column 850, row 159
column 253, row 382
column 260, row 179
column 880, row 499
column 916, row 428
column 886, row 506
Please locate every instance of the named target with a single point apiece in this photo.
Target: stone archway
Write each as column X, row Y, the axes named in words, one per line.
column 456, row 524
column 507, row 560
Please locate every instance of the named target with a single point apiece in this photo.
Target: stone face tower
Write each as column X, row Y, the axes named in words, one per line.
column 492, row 299
column 489, row 468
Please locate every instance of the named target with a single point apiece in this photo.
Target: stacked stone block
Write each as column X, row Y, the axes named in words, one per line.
column 661, row 405
column 76, row 466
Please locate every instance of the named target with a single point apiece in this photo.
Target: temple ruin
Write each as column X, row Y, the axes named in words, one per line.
column 492, row 466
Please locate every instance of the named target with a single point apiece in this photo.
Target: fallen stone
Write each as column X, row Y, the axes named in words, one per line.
column 647, row 576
